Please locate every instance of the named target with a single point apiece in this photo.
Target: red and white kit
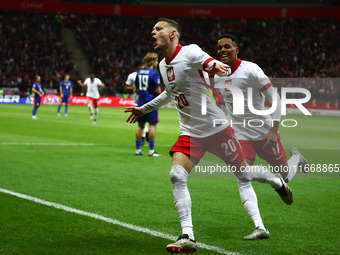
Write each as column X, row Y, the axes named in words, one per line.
column 250, row 128
column 184, row 84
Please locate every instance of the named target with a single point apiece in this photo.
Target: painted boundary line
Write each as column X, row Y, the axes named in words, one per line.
column 115, row 222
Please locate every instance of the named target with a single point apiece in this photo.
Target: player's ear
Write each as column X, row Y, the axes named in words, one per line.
column 237, row 50
column 172, row 34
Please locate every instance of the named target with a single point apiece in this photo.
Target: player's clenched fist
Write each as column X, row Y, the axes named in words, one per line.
column 135, row 113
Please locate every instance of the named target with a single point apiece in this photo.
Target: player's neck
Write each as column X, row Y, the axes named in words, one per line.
column 169, row 51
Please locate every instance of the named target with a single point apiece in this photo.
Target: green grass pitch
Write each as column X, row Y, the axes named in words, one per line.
column 70, row 161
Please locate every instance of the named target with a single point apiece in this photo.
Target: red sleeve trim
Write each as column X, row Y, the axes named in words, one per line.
column 179, row 47
column 205, row 64
column 266, row 87
column 238, row 63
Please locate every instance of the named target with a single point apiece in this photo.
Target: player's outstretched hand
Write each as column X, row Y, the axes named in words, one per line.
column 216, row 68
column 135, row 113
column 271, row 139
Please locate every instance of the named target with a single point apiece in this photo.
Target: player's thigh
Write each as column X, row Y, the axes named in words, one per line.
column 187, row 146
column 248, row 151
column 152, row 117
column 273, row 155
column 37, row 102
column 226, row 146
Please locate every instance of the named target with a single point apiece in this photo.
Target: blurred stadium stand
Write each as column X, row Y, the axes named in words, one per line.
column 37, row 42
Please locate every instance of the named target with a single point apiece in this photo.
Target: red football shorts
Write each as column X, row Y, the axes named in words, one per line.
column 222, row 144
column 273, row 155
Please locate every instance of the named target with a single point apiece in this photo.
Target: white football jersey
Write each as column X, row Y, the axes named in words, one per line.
column 247, row 75
column 185, row 82
column 131, row 82
column 92, row 87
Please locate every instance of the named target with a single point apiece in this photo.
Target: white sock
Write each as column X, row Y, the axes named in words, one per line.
column 95, row 114
column 260, row 174
column 145, row 130
column 189, row 231
column 90, row 108
column 293, row 167
column 179, row 177
column 249, row 201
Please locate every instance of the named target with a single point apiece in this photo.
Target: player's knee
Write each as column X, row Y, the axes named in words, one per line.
column 244, row 177
column 178, row 174
column 243, row 184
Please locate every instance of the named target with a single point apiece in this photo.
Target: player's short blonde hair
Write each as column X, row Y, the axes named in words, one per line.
column 149, row 57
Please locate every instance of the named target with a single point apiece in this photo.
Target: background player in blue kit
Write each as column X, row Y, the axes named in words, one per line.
column 65, row 93
column 147, row 86
column 38, row 93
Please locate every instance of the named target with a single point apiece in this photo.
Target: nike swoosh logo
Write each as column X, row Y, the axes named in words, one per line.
column 234, row 158
column 277, row 158
column 172, row 88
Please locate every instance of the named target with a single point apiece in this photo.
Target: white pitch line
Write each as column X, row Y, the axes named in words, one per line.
column 115, row 222
column 76, row 144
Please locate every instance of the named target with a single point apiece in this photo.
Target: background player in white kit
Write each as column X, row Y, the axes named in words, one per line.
column 92, row 93
column 180, row 66
column 264, row 140
column 130, row 85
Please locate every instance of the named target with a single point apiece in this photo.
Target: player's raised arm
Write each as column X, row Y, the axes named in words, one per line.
column 81, row 84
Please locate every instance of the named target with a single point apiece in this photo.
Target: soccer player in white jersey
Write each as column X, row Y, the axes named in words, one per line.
column 92, row 93
column 261, row 137
column 130, row 85
column 182, row 65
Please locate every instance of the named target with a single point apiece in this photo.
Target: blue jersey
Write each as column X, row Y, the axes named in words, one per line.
column 37, row 87
column 147, row 80
column 66, row 85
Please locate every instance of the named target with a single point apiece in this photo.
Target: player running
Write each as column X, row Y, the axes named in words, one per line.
column 66, row 92
column 38, row 93
column 92, row 93
column 130, row 85
column 148, row 86
column 264, row 140
column 181, row 66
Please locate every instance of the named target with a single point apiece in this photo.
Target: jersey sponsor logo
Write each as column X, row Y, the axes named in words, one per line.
column 170, row 74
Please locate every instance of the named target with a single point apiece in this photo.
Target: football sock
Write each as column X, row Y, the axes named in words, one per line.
column 145, row 130
column 34, row 111
column 179, row 178
column 293, row 167
column 249, row 201
column 95, row 114
column 59, row 106
column 189, row 232
column 151, row 145
column 138, row 144
column 260, row 174
column 258, row 222
column 90, row 108
column 66, row 107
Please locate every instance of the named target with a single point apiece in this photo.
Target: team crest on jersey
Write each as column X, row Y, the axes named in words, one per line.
column 170, row 74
